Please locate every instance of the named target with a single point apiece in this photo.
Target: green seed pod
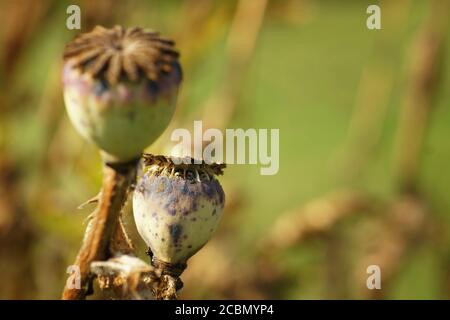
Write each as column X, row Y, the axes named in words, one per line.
column 177, row 207
column 120, row 88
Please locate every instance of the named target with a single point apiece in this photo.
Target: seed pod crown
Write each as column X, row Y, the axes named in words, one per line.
column 116, row 53
column 165, row 165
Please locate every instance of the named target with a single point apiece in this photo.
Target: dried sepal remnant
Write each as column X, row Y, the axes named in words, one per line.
column 158, row 165
column 126, row 277
column 132, row 53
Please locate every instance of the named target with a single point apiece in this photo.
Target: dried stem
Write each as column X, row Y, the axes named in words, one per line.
column 120, row 242
column 101, row 229
column 169, row 281
column 406, row 225
column 126, row 277
column 17, row 235
column 409, row 217
column 425, row 76
column 244, row 30
column 373, row 96
column 107, row 251
column 315, row 218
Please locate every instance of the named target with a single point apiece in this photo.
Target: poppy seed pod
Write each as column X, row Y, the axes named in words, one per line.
column 120, row 88
column 177, row 207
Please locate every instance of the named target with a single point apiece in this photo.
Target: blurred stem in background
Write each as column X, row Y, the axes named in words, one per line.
column 16, row 237
column 17, row 231
column 245, row 27
column 373, row 95
column 426, row 65
column 407, row 216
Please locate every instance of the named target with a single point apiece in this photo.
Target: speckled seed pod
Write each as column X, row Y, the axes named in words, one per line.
column 120, row 88
column 177, row 207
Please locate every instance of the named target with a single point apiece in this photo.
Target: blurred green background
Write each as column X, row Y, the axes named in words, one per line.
column 364, row 144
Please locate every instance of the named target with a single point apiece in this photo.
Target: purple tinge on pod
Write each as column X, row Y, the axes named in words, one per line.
column 120, row 88
column 177, row 207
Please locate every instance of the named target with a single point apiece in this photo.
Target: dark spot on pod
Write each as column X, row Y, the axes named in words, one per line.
column 194, row 205
column 214, row 212
column 162, row 239
column 176, row 72
column 208, row 189
column 172, row 211
column 203, row 175
column 185, row 189
column 190, row 176
column 172, row 200
column 219, row 191
column 185, row 236
column 193, row 219
column 152, row 88
column 175, row 231
column 171, row 205
column 189, row 246
column 100, row 87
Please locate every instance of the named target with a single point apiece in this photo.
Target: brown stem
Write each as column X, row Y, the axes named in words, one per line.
column 425, row 77
column 96, row 244
column 169, row 282
column 125, row 277
column 409, row 216
column 335, row 272
column 17, row 235
column 317, row 217
column 121, row 242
